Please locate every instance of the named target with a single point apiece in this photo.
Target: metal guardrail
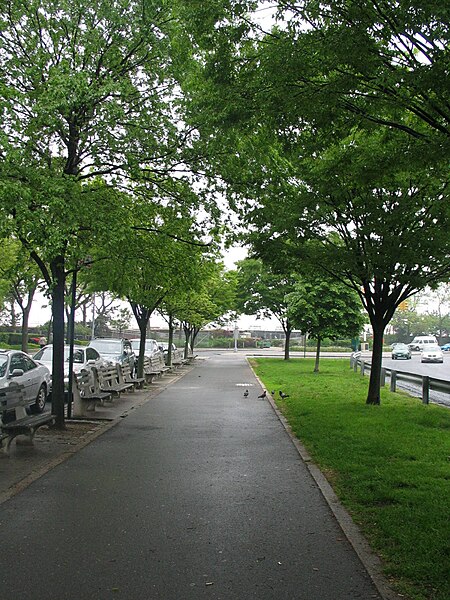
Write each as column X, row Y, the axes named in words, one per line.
column 424, row 381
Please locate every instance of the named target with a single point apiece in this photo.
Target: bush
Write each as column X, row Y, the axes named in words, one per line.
column 14, row 339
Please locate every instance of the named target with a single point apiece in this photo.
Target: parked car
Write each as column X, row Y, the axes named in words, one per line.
column 401, row 351
column 151, row 347
column 115, row 350
column 17, row 368
column 433, row 354
column 422, row 342
column 83, row 358
column 446, row 347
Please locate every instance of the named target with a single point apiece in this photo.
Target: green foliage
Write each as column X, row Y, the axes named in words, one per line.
column 324, row 308
column 389, row 467
column 262, row 292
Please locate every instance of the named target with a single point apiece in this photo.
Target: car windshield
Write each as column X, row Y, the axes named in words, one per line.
column 3, row 365
column 433, row 349
column 401, row 347
column 135, row 344
column 107, row 346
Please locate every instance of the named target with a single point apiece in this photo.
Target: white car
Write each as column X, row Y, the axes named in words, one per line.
column 84, row 357
column 151, row 347
column 433, row 354
column 17, row 368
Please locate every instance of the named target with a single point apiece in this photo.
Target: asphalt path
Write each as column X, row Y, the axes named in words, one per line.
column 199, row 493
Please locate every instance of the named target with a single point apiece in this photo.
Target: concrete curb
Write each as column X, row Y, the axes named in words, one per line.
column 371, row 562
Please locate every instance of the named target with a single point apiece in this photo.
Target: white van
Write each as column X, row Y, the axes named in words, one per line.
column 422, row 342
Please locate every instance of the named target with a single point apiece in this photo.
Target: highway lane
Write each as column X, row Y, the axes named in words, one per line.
column 438, row 370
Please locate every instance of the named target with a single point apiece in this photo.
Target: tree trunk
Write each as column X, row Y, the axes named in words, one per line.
column 194, row 335
column 373, row 396
column 58, row 297
column 287, row 333
column 170, row 341
column 143, row 336
column 187, row 334
column 316, row 366
column 25, row 321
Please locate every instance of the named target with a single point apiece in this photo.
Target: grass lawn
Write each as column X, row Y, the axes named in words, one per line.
column 389, row 464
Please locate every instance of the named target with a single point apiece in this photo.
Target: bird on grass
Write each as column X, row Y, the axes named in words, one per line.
column 263, row 395
column 272, row 392
column 283, row 396
column 245, row 393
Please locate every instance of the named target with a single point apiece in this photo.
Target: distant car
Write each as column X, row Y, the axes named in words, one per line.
column 151, row 347
column 83, row 358
column 446, row 347
column 17, row 368
column 433, row 354
column 401, row 351
column 422, row 342
column 164, row 346
column 115, row 350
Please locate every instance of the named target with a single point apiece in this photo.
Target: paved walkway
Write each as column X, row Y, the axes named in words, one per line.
column 198, row 493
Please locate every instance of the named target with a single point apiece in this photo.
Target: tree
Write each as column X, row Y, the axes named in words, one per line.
column 209, row 297
column 359, row 214
column 262, row 291
column 160, row 260
column 23, row 280
column 325, row 308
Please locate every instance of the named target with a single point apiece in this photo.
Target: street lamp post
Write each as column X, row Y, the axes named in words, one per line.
column 236, row 336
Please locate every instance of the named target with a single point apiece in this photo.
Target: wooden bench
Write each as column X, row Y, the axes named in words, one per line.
column 12, row 400
column 150, row 372
column 125, row 376
column 178, row 360
column 159, row 364
column 108, row 378
column 87, row 393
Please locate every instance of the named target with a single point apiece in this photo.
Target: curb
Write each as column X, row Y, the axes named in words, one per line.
column 370, row 561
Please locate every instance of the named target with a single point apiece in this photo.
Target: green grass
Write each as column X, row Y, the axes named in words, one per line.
column 389, row 465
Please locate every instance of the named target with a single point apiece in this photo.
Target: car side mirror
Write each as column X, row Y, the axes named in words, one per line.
column 17, row 373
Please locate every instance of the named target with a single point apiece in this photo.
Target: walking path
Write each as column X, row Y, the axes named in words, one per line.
column 197, row 493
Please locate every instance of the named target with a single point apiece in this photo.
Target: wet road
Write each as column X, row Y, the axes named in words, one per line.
column 199, row 493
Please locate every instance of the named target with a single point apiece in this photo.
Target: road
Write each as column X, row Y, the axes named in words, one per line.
column 438, row 370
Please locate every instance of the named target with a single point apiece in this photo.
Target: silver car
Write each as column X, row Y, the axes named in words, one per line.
column 114, row 350
column 151, row 347
column 433, row 354
column 84, row 357
column 17, row 368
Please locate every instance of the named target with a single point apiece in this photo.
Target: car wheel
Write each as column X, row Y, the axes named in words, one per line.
column 41, row 398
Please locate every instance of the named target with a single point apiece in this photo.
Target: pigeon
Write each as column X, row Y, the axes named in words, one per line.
column 245, row 393
column 283, row 396
column 272, row 392
column 263, row 395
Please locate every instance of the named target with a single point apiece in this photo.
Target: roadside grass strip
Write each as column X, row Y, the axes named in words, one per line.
column 388, row 464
